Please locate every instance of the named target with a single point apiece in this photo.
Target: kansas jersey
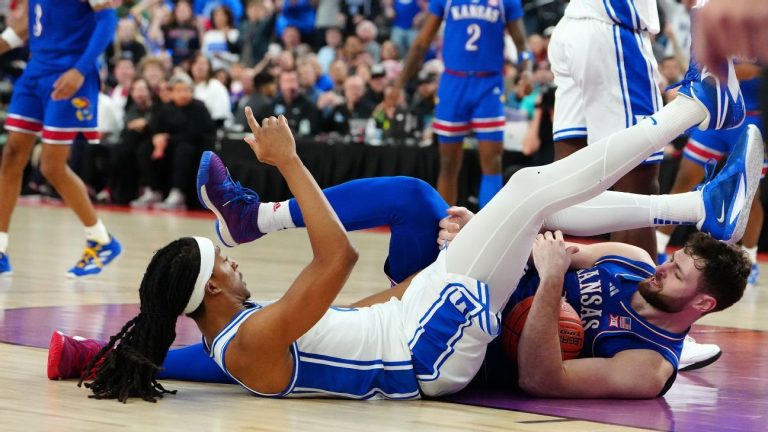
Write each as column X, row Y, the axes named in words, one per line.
column 639, row 15
column 474, row 32
column 59, row 32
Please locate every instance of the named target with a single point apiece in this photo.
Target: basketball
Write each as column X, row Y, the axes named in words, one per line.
column 571, row 331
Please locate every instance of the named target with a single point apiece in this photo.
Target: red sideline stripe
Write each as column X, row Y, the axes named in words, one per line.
column 23, row 124
column 447, row 128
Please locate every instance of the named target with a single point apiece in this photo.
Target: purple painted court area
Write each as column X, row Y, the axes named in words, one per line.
column 730, row 395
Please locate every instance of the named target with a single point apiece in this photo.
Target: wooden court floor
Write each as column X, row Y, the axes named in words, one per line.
column 46, row 240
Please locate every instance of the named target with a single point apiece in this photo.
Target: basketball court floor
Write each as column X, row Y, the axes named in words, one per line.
column 730, row 395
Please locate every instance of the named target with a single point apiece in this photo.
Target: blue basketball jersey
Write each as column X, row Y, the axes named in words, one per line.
column 602, row 297
column 59, row 32
column 474, row 32
column 751, row 91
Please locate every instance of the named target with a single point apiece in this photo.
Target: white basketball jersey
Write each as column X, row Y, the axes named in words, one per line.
column 640, row 15
column 358, row 353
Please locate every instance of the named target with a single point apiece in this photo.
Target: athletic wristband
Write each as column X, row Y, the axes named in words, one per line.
column 10, row 36
column 524, row 56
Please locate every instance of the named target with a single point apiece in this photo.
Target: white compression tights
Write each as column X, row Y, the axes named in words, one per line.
column 494, row 246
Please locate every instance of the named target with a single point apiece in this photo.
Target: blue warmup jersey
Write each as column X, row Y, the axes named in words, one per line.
column 59, row 32
column 474, row 32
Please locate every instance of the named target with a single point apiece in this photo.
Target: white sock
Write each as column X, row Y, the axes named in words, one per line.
column 274, row 216
column 662, row 241
column 97, row 233
column 677, row 209
column 752, row 252
column 3, row 242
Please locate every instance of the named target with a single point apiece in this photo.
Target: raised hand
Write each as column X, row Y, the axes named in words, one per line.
column 550, row 255
column 453, row 223
column 272, row 142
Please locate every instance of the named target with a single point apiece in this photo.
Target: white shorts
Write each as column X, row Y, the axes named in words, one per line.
column 607, row 79
column 448, row 325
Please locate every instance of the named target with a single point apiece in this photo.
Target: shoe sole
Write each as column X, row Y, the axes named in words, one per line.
column 703, row 363
column 202, row 195
column 55, row 348
column 754, row 162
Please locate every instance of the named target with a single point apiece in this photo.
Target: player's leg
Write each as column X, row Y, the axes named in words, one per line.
column 488, row 125
column 700, row 149
column 63, row 121
column 24, row 121
column 452, row 124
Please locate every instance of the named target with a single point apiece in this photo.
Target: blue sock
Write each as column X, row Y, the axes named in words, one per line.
column 489, row 185
column 410, row 207
column 192, row 364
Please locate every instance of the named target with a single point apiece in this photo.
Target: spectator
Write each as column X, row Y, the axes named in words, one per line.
column 181, row 132
column 348, row 115
column 405, row 15
column 182, row 37
column 211, row 91
column 302, row 115
column 261, row 100
column 394, row 121
column 366, row 31
column 390, row 51
column 356, row 11
column 295, row 13
column 150, row 16
column 353, row 47
column 671, row 70
column 128, row 44
column 153, row 71
column 338, row 72
column 328, row 53
column 125, row 73
column 122, row 180
column 308, row 81
column 328, row 16
column 324, row 82
column 423, row 105
column 256, row 31
column 374, row 91
column 538, row 46
column 205, row 7
column 220, row 42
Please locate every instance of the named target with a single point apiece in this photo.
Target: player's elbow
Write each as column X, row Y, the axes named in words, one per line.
column 540, row 384
column 344, row 257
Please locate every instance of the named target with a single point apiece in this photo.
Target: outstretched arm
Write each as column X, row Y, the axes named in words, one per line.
column 542, row 371
column 265, row 338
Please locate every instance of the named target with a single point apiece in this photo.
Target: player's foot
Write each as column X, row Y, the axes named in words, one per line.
column 95, row 257
column 728, row 197
column 696, row 355
column 5, row 265
column 722, row 99
column 236, row 207
column 754, row 275
column 68, row 356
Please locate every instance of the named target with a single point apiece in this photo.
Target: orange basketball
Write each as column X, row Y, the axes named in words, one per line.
column 571, row 331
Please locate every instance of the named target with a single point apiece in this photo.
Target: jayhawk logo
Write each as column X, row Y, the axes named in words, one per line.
column 82, row 105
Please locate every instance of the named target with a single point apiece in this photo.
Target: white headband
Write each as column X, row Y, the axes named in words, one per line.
column 207, row 257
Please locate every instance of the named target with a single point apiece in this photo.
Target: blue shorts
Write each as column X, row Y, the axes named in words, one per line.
column 32, row 111
column 469, row 103
column 716, row 144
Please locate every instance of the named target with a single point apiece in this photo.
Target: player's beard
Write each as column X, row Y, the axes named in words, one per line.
column 660, row 301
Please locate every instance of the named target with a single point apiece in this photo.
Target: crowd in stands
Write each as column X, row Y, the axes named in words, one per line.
column 179, row 74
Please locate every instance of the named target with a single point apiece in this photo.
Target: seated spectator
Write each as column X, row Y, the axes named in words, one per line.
column 256, row 31
column 220, row 42
column 353, row 47
column 348, row 115
column 291, row 39
column 153, row 71
column 423, row 106
column 394, row 121
column 205, row 7
column 390, row 51
column 338, row 72
column 302, row 115
column 181, row 34
column 128, row 44
column 261, row 100
column 181, row 131
column 328, row 53
column 210, row 90
column 366, row 31
column 308, row 81
column 356, row 11
column 328, row 15
column 671, row 70
column 125, row 73
column 295, row 13
column 375, row 89
column 324, row 82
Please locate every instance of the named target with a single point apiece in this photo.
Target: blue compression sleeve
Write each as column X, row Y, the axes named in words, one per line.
column 490, row 184
column 410, row 207
column 106, row 23
column 192, row 363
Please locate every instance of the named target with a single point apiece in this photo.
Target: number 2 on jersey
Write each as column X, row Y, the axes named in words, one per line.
column 474, row 34
column 37, row 29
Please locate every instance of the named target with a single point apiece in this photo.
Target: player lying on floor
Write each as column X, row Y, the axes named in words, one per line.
column 430, row 337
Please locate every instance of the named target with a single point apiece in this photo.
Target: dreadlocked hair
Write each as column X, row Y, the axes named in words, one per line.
column 724, row 268
column 126, row 366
